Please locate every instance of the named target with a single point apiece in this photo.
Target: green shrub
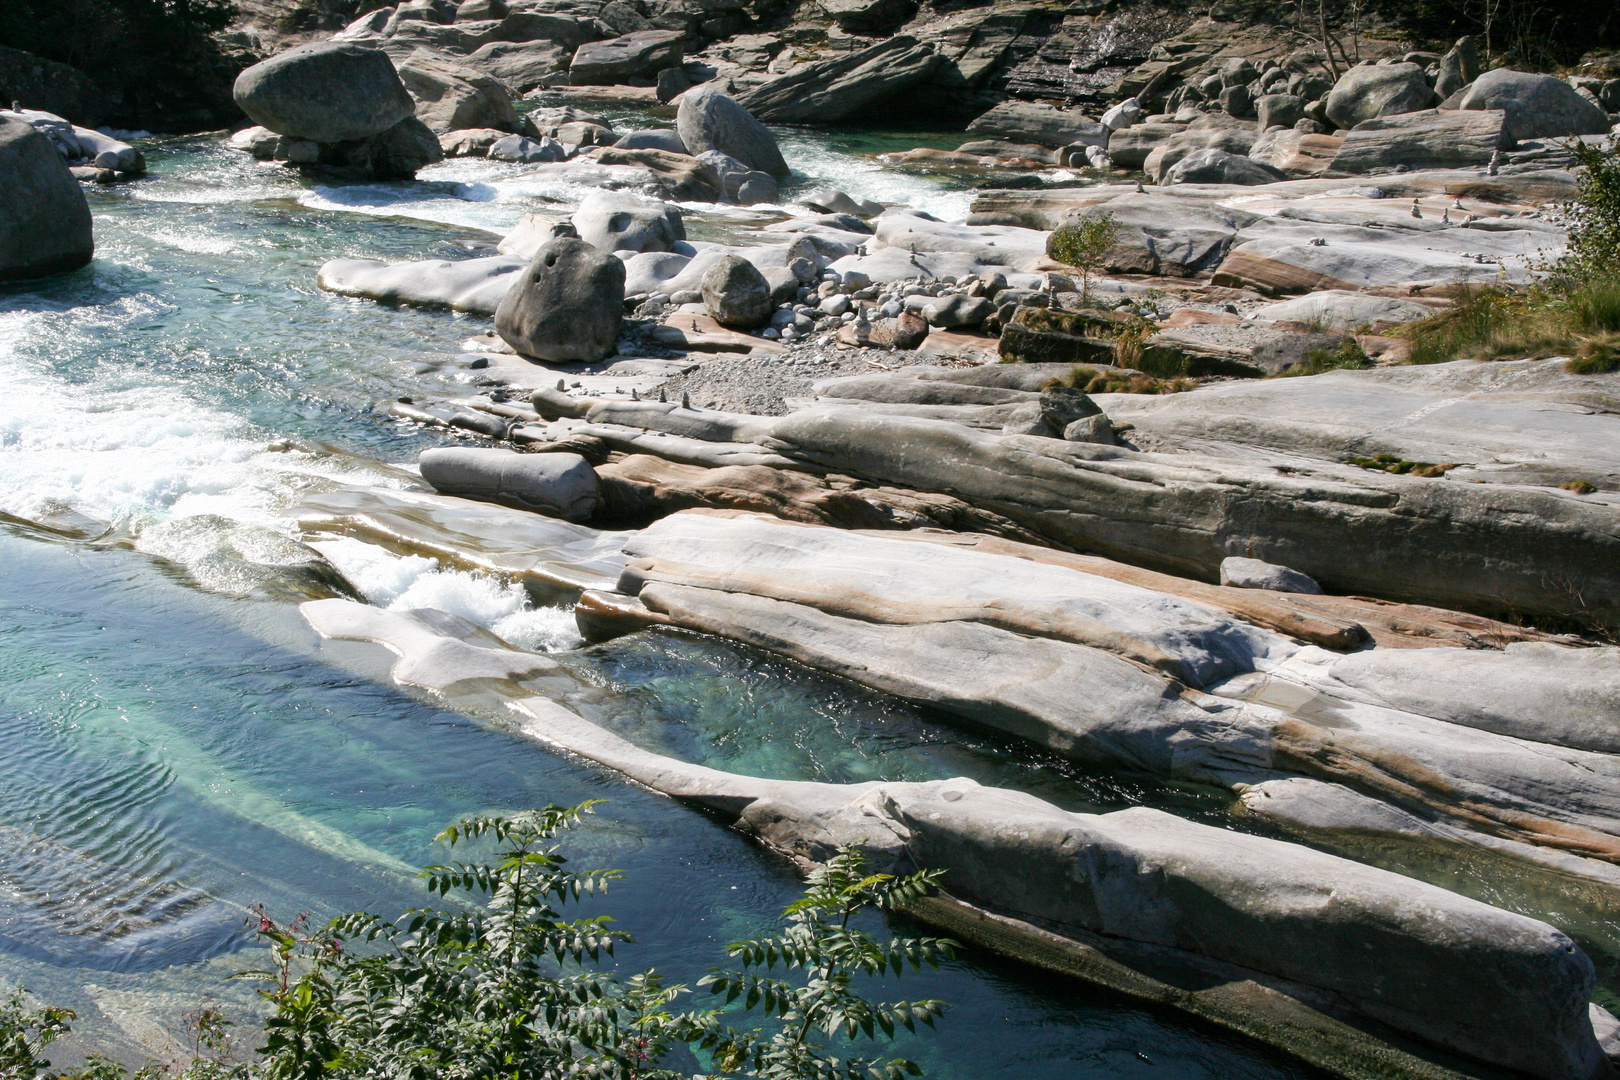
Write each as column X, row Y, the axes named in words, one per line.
column 1594, row 217
column 1595, row 305
column 508, row 989
column 1084, row 244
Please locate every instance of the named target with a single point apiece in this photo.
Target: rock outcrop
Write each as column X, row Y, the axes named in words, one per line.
column 836, row 89
column 618, row 60
column 45, row 225
column 452, row 97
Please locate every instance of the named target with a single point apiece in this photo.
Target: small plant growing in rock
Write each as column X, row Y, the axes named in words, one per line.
column 1348, row 356
column 1084, row 244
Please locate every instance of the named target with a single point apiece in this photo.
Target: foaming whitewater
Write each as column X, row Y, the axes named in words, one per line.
column 401, row 583
column 136, row 452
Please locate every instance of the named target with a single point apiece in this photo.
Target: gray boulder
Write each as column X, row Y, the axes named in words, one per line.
column 1537, row 106
column 1430, row 139
column 451, row 97
column 1044, row 125
column 1279, row 110
column 948, row 312
column 1257, row 574
column 1371, row 90
column 1237, row 101
column 622, row 221
column 617, row 60
column 557, row 485
column 569, row 31
column 710, row 120
column 1458, row 68
column 736, row 294
column 326, row 91
column 738, row 182
column 520, row 65
column 653, row 139
column 567, row 304
column 1220, row 167
column 526, row 151
column 830, row 90
column 396, row 154
column 44, row 218
column 868, row 16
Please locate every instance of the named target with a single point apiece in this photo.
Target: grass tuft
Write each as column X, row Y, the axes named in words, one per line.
column 1093, row 381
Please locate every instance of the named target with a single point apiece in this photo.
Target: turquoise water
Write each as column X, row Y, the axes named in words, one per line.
column 176, row 745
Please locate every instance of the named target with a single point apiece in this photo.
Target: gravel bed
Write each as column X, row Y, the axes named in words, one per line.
column 759, row 382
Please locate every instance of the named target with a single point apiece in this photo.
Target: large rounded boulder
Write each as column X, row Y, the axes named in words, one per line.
column 736, row 294
column 1536, row 106
column 44, row 218
column 1378, row 90
column 1213, row 166
column 566, row 305
column 327, row 92
column 709, row 120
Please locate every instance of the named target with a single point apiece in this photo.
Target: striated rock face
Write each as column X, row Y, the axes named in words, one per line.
column 1044, row 125
column 452, row 97
column 1536, row 106
column 1371, row 90
column 45, row 223
column 617, row 60
column 1430, row 139
column 1314, row 927
column 327, row 92
column 567, row 304
column 831, row 90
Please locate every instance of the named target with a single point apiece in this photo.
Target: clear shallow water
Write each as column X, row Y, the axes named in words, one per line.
column 175, row 745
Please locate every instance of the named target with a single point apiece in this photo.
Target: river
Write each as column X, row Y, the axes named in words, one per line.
column 176, row 745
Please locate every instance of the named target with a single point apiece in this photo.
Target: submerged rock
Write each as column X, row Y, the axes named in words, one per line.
column 567, row 304
column 45, row 225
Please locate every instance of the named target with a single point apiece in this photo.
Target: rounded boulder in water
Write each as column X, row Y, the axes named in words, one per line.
column 557, row 485
column 326, row 91
column 44, row 219
column 736, row 294
column 566, row 305
column 709, row 120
